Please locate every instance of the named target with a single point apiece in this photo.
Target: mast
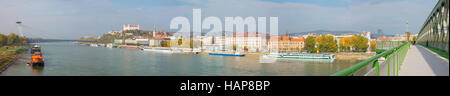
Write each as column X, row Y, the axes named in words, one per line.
column 407, row 27
column 154, row 30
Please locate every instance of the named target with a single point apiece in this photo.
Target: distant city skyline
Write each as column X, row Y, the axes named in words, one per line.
column 71, row 19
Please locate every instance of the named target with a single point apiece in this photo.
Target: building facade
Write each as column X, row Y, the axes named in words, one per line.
column 130, row 27
column 286, row 44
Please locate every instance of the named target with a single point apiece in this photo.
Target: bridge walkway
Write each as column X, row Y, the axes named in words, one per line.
column 421, row 62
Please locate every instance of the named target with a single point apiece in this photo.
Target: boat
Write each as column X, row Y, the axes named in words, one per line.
column 36, row 58
column 93, row 45
column 304, row 56
column 35, row 48
column 110, row 45
column 225, row 54
column 132, row 47
column 157, row 49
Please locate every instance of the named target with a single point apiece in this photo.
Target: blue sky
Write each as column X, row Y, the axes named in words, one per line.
column 70, row 19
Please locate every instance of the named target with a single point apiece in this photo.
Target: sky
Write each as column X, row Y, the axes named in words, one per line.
column 71, row 19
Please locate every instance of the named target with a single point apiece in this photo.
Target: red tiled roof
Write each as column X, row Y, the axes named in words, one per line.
column 384, row 39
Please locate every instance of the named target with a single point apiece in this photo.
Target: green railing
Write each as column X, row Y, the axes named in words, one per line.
column 386, row 63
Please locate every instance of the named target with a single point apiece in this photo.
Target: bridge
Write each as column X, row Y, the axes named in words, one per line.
column 424, row 57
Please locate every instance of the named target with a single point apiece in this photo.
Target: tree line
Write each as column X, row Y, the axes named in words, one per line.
column 327, row 43
column 12, row 40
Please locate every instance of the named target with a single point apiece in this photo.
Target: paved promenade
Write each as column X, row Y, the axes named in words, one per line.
column 421, row 62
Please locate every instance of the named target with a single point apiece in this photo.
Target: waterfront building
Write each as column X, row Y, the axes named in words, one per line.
column 384, row 39
column 246, row 42
column 154, row 43
column 213, row 43
column 286, row 43
column 118, row 41
column 131, row 42
column 398, row 37
column 159, row 34
column 144, row 42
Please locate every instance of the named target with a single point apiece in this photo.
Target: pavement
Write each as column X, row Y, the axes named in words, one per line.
column 421, row 62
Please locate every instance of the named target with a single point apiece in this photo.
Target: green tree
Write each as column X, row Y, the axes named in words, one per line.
column 373, row 45
column 360, row 43
column 326, row 43
column 408, row 34
column 12, row 39
column 180, row 41
column 23, row 40
column 168, row 43
column 3, row 40
column 106, row 38
column 310, row 43
column 191, row 43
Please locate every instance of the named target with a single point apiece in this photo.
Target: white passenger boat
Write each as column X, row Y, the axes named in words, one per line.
column 157, row 49
column 93, row 45
column 110, row 45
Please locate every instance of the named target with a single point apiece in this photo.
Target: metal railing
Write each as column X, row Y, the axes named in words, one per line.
column 386, row 63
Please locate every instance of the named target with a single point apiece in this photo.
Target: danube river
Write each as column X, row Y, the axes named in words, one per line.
column 68, row 59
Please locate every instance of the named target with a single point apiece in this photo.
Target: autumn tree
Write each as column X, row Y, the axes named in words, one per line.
column 360, row 43
column 373, row 45
column 346, row 44
column 180, row 41
column 191, row 43
column 310, row 43
column 12, row 39
column 326, row 43
column 408, row 34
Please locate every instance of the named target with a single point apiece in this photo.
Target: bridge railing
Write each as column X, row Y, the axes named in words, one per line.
column 435, row 30
column 386, row 63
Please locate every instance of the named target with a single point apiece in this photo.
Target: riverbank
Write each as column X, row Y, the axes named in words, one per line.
column 340, row 56
column 8, row 55
column 350, row 56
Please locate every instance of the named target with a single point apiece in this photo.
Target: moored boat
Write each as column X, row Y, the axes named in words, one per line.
column 225, row 54
column 110, row 45
column 35, row 48
column 157, row 49
column 93, row 45
column 37, row 59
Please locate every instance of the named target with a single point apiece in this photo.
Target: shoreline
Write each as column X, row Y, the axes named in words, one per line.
column 8, row 61
column 340, row 56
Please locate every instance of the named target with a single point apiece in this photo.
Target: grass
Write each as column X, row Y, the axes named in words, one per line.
column 5, row 58
column 438, row 51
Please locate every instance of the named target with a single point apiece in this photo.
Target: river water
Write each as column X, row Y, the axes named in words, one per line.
column 68, row 59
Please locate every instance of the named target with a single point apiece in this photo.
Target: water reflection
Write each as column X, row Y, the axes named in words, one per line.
column 67, row 59
column 37, row 70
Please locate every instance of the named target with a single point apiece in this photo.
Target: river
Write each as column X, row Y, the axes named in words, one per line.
column 68, row 59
